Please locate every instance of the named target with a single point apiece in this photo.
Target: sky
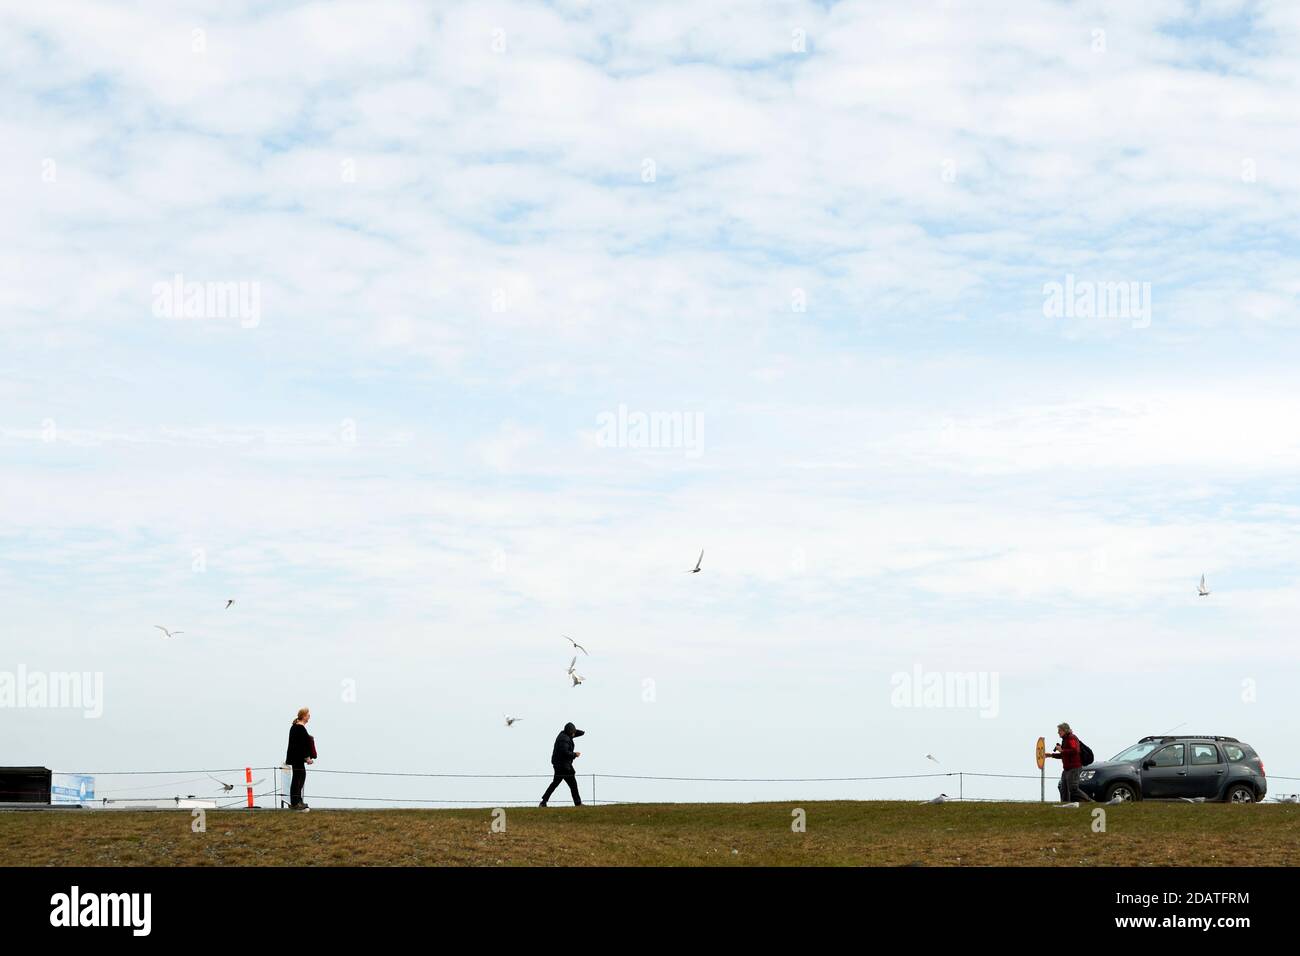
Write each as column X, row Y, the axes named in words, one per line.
column 968, row 333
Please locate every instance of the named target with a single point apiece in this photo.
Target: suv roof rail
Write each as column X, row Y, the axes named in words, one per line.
column 1231, row 740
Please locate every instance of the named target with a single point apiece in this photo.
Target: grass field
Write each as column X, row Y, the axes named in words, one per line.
column 749, row 834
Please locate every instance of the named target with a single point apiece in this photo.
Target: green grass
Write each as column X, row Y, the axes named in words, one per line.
column 884, row 833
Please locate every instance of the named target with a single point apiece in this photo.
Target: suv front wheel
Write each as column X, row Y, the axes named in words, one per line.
column 1239, row 793
column 1126, row 792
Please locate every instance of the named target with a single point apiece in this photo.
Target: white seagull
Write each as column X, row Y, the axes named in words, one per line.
column 167, row 633
column 511, row 720
column 574, row 643
column 1202, row 590
column 696, row 569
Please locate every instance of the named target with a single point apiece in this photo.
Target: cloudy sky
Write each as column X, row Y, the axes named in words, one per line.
column 474, row 245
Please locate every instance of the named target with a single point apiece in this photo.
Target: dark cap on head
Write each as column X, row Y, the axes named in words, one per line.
column 573, row 731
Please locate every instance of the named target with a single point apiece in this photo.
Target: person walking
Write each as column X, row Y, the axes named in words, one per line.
column 301, row 752
column 562, row 757
column 1069, row 753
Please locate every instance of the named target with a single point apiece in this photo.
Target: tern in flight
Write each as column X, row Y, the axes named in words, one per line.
column 230, row 602
column 1202, row 590
column 511, row 720
column 574, row 643
column 932, row 757
column 231, row 786
column 696, row 569
column 576, row 678
column 167, row 633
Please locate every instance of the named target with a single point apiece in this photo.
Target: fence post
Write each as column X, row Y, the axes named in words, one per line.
column 593, row 789
column 961, row 786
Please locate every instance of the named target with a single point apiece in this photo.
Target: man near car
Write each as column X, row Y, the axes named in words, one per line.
column 1068, row 752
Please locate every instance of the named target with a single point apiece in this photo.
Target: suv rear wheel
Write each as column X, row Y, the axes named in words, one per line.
column 1240, row 793
column 1124, row 791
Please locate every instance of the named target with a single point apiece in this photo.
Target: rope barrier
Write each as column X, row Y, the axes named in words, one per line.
column 912, row 776
column 136, row 773
column 102, row 792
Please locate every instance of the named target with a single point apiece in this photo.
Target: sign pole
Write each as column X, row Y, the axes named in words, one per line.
column 1040, row 751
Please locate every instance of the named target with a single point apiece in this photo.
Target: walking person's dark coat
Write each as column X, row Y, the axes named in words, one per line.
column 301, row 751
column 562, row 756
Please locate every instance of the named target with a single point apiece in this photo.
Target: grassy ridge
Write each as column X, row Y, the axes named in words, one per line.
column 879, row 833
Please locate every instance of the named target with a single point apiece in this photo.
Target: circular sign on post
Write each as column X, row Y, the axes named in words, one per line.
column 1040, row 748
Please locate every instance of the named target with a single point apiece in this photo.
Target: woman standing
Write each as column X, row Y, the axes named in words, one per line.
column 302, row 751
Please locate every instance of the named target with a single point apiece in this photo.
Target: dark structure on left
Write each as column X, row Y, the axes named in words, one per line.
column 24, row 785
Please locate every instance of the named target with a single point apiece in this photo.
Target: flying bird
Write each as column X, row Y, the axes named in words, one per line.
column 227, row 787
column 167, row 633
column 510, row 720
column 576, row 677
column 574, row 643
column 572, row 664
column 696, row 569
column 932, row 757
column 230, row 602
column 1202, row 590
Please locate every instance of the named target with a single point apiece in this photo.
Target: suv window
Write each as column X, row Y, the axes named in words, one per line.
column 1136, row 752
column 1235, row 753
column 1204, row 753
column 1171, row 756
